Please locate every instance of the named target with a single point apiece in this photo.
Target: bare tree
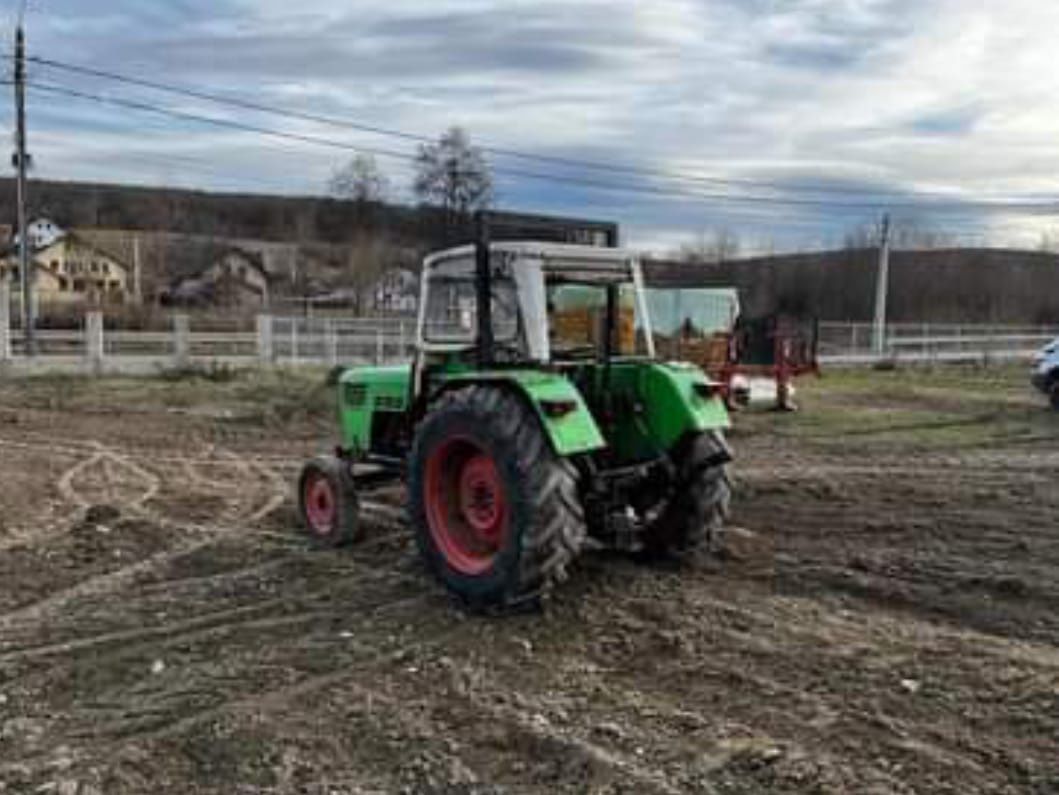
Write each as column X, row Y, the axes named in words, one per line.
column 709, row 248
column 905, row 233
column 368, row 257
column 454, row 175
column 915, row 233
column 360, row 180
column 862, row 237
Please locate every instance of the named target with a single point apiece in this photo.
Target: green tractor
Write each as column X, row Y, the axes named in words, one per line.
column 535, row 422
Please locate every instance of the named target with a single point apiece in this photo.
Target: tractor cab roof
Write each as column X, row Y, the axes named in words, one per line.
column 577, row 263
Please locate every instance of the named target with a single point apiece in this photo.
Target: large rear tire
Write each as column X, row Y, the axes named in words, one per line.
column 695, row 515
column 495, row 511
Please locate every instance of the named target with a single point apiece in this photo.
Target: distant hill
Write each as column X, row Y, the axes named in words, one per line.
column 308, row 244
column 939, row 286
column 223, row 215
column 270, row 218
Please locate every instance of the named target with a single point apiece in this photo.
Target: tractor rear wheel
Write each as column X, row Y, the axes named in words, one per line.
column 327, row 502
column 696, row 512
column 495, row 511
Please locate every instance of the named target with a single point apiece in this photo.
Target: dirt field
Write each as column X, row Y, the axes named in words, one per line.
column 887, row 620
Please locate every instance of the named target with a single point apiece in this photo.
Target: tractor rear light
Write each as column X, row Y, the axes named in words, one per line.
column 558, row 408
column 708, row 390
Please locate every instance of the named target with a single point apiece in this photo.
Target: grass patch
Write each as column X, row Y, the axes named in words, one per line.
column 931, row 408
column 263, row 397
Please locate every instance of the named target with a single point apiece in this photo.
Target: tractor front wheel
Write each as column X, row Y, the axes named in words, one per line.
column 496, row 513
column 328, row 504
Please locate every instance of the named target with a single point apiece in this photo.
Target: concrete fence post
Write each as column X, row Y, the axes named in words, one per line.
column 332, row 343
column 95, row 350
column 5, row 322
column 266, row 352
column 181, row 340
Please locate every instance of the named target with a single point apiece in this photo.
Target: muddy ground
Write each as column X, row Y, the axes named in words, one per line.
column 887, row 620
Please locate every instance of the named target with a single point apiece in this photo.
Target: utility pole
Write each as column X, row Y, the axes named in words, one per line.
column 21, row 164
column 137, row 270
column 882, row 289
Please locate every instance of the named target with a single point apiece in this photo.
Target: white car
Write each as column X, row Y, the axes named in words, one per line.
column 1045, row 374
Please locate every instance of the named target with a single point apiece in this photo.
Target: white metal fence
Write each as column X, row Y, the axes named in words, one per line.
column 853, row 343
column 271, row 341
column 277, row 340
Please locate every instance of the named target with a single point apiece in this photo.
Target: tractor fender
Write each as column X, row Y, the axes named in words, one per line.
column 680, row 399
column 567, row 422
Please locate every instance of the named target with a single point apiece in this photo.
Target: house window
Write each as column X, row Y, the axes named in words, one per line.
column 64, row 284
column 79, row 285
column 106, row 267
column 55, row 265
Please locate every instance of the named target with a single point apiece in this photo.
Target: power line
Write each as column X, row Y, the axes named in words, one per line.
column 213, row 120
column 555, row 178
column 502, row 151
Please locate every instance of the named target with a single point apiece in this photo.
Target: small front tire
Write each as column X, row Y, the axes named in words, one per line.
column 327, row 503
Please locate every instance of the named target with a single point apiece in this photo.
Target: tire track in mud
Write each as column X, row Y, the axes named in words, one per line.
column 366, row 575
column 194, row 539
column 101, row 464
column 98, row 478
column 504, row 730
column 528, row 726
column 134, row 712
column 777, row 656
column 51, row 445
column 365, row 656
column 265, row 467
column 35, row 614
column 77, row 488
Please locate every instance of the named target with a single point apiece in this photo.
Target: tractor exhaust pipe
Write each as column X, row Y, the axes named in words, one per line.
column 484, row 290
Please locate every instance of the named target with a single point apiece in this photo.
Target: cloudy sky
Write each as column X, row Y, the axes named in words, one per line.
column 785, row 121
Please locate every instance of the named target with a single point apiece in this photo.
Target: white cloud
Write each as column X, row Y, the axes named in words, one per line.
column 946, row 96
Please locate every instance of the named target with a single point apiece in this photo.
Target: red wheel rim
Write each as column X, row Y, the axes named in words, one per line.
column 466, row 506
column 321, row 505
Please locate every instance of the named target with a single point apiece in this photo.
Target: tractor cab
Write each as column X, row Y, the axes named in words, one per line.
column 549, row 304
